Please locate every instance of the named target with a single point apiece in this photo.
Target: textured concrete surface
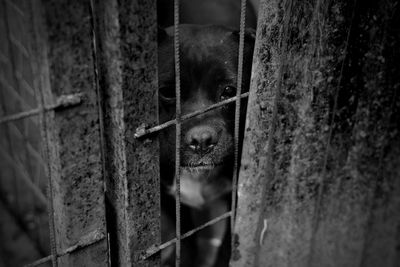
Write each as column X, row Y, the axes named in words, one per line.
column 65, row 66
column 320, row 177
column 127, row 48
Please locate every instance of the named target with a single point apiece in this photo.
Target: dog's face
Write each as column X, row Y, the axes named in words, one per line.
column 209, row 63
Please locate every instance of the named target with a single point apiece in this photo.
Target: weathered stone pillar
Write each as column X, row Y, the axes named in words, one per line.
column 63, row 71
column 320, row 176
column 127, row 58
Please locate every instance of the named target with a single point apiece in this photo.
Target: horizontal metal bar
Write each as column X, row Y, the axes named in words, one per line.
column 20, row 115
column 154, row 249
column 142, row 130
column 88, row 240
column 40, row 261
column 63, row 101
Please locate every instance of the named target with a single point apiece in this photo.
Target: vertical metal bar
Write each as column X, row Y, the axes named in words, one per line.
column 178, row 134
column 237, row 119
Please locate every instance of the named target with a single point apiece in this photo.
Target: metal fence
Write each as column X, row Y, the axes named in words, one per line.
column 181, row 118
column 79, row 107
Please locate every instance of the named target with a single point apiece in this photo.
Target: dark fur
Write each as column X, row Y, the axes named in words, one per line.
column 209, row 62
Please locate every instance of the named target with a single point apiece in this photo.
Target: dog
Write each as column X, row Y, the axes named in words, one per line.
column 209, row 64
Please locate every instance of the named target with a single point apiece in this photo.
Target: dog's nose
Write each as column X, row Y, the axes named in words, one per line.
column 201, row 139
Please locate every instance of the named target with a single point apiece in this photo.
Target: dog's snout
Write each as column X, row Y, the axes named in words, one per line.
column 201, row 139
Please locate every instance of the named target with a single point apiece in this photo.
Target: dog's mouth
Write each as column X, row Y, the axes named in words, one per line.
column 202, row 166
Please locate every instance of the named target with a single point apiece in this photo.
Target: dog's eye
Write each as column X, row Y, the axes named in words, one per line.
column 167, row 93
column 228, row 92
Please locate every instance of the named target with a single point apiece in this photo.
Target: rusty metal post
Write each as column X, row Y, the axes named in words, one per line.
column 319, row 182
column 64, row 66
column 127, row 58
